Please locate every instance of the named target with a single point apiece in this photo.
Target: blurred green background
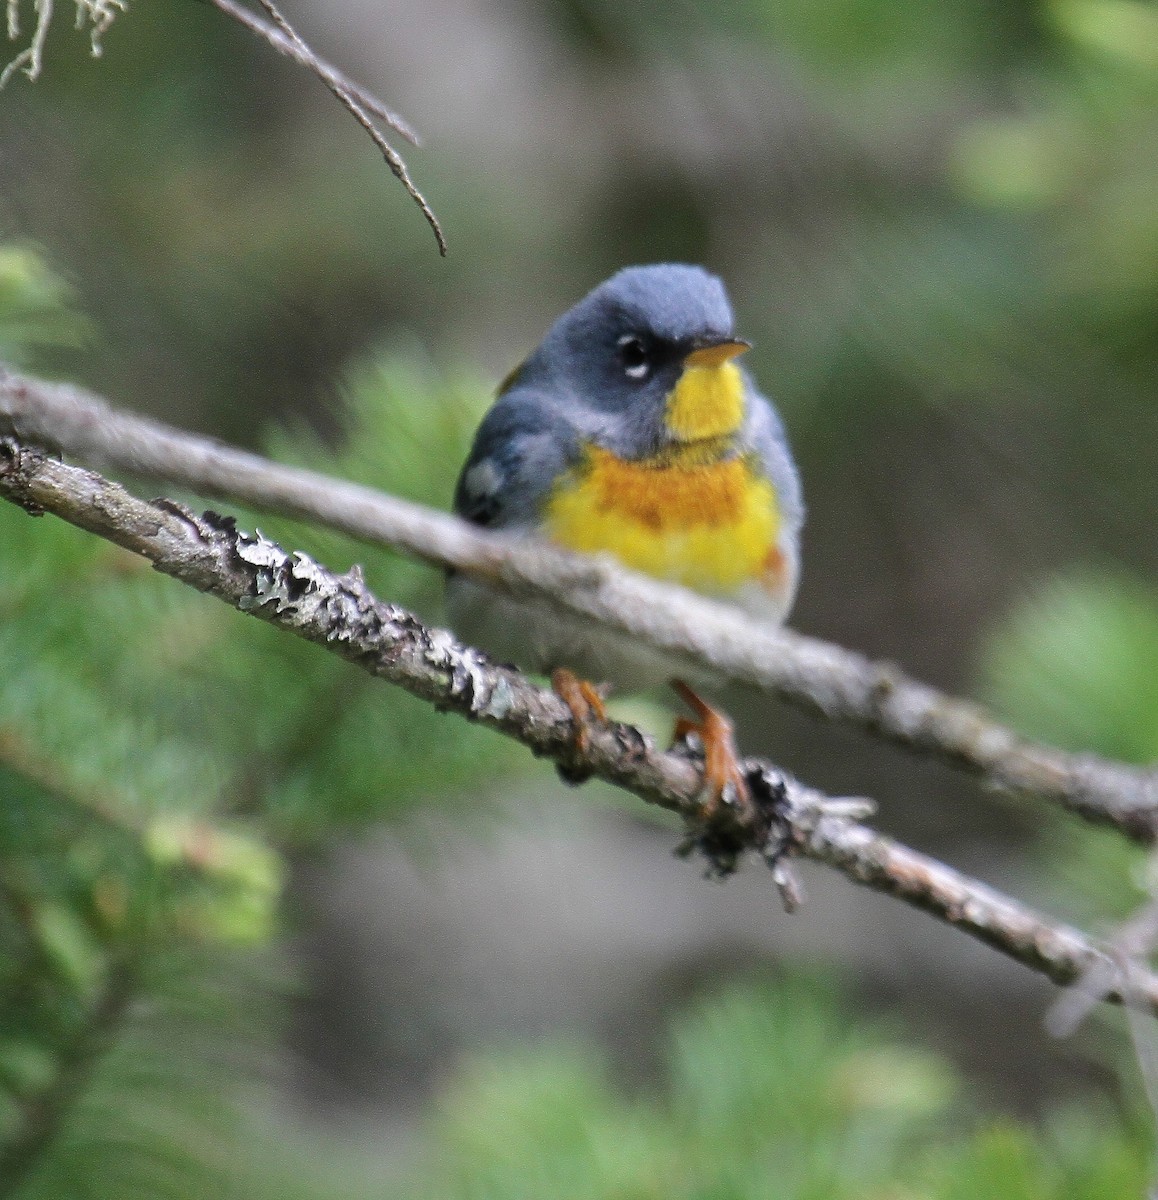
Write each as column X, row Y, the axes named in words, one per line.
column 268, row 928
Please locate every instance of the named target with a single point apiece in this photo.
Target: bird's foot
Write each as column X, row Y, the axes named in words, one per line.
column 724, row 780
column 585, row 701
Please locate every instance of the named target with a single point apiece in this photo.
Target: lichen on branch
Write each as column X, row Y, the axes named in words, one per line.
column 787, row 819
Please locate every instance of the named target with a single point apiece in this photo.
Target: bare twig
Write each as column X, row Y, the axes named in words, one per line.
column 822, row 678
column 1123, row 969
column 1130, row 946
column 31, row 58
column 297, row 594
column 363, row 105
column 283, row 37
column 295, row 49
column 98, row 15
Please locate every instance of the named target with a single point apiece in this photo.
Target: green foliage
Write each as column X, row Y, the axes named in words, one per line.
column 155, row 1088
column 1072, row 1159
column 158, row 756
column 126, row 688
column 1125, row 31
column 35, row 307
column 1077, row 664
column 769, row 1093
column 913, row 203
column 1086, row 152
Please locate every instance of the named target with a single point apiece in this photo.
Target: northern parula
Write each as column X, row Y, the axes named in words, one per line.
column 631, row 430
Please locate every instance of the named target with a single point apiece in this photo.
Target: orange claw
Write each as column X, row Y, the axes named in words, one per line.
column 722, row 765
column 584, row 701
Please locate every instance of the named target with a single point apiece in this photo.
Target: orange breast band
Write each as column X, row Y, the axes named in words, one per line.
column 709, row 525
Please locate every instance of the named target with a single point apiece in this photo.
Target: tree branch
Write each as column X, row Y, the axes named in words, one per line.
column 286, row 45
column 820, row 677
column 293, row 592
column 360, row 103
column 280, row 34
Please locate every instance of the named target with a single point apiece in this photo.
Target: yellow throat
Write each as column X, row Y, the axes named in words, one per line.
column 695, row 513
column 708, row 400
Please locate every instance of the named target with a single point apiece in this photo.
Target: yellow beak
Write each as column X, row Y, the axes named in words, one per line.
column 717, row 355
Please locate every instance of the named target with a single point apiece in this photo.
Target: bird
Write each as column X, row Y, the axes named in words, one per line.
column 632, row 431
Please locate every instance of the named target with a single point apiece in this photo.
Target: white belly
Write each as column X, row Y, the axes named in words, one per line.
column 537, row 637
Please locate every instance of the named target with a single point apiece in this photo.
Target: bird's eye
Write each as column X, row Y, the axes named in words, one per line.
column 633, row 355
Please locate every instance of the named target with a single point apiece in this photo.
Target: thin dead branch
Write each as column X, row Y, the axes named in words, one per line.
column 30, row 60
column 1126, row 964
column 294, row 48
column 785, row 818
column 822, row 678
column 98, row 15
column 284, row 38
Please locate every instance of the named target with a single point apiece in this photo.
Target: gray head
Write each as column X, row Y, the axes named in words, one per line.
column 622, row 348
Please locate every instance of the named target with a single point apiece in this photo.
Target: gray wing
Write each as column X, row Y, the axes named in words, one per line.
column 765, row 435
column 522, row 445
